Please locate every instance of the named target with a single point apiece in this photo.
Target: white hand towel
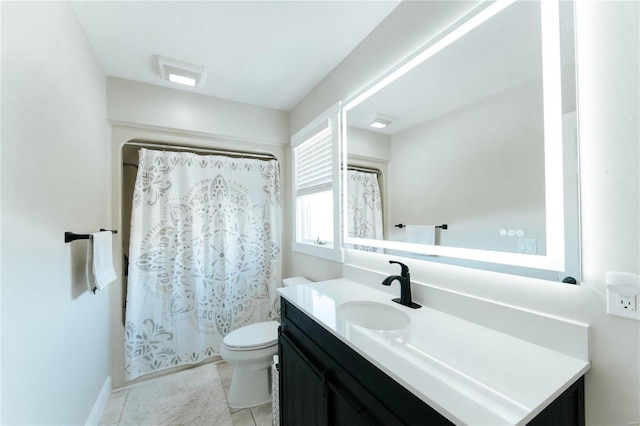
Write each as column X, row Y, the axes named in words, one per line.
column 100, row 270
column 421, row 234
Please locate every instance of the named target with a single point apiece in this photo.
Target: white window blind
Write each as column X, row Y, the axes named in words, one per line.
column 314, row 169
column 315, row 152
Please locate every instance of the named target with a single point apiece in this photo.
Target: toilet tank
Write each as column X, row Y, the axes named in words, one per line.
column 289, row 282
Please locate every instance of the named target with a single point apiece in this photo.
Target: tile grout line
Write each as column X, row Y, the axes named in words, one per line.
column 253, row 417
column 126, row 398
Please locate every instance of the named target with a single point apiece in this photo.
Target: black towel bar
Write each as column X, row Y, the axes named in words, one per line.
column 443, row 226
column 70, row 236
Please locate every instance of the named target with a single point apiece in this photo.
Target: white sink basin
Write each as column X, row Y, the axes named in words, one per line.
column 373, row 315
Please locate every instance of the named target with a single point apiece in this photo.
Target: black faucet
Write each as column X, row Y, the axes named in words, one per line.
column 405, row 286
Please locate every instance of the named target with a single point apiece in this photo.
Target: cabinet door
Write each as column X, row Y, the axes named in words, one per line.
column 350, row 404
column 302, row 388
column 344, row 410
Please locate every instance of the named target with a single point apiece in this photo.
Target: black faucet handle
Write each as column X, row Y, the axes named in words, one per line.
column 405, row 268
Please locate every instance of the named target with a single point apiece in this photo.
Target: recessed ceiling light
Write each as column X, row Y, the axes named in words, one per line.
column 379, row 124
column 180, row 79
column 378, row 120
column 181, row 72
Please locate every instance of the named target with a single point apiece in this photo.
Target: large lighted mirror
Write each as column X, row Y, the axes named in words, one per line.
column 466, row 152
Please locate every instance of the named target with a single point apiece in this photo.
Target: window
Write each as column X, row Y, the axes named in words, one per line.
column 316, row 187
column 315, row 220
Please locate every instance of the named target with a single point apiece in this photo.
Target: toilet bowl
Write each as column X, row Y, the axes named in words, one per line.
column 250, row 349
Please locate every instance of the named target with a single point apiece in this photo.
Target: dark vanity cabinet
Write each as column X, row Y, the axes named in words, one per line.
column 324, row 382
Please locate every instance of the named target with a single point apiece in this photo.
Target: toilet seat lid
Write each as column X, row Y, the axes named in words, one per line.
column 253, row 336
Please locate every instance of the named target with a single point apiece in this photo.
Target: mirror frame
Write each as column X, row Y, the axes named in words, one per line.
column 554, row 258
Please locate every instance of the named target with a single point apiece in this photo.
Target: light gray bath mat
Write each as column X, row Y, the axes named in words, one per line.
column 191, row 397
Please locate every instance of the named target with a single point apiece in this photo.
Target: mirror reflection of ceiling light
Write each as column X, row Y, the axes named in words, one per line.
column 379, row 121
column 181, row 72
column 473, row 22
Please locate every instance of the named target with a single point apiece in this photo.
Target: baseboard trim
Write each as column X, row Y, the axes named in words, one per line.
column 100, row 404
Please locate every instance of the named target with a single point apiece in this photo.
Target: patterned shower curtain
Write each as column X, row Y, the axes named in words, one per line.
column 204, row 255
column 364, row 208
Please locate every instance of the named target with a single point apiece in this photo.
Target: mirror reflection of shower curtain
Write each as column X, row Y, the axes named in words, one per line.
column 364, row 208
column 205, row 255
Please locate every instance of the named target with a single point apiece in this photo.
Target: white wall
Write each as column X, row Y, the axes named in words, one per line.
column 161, row 107
column 55, row 178
column 157, row 114
column 609, row 72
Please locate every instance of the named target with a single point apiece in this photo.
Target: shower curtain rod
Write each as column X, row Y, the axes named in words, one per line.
column 364, row 169
column 228, row 153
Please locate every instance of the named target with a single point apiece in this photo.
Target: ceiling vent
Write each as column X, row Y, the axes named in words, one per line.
column 181, row 72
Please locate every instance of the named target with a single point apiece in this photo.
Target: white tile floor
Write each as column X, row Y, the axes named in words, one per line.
column 255, row 416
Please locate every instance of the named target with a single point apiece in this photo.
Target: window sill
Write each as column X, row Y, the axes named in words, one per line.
column 329, row 253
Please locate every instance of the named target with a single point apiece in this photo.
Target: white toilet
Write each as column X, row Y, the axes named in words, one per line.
column 250, row 349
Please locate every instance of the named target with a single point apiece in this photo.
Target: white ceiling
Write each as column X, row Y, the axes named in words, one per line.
column 266, row 53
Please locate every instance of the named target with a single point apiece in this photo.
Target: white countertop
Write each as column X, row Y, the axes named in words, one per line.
column 469, row 373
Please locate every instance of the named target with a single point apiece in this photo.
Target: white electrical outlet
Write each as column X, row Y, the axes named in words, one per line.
column 627, row 302
column 623, row 290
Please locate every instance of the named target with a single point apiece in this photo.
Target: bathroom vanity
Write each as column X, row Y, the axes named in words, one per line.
column 340, row 363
